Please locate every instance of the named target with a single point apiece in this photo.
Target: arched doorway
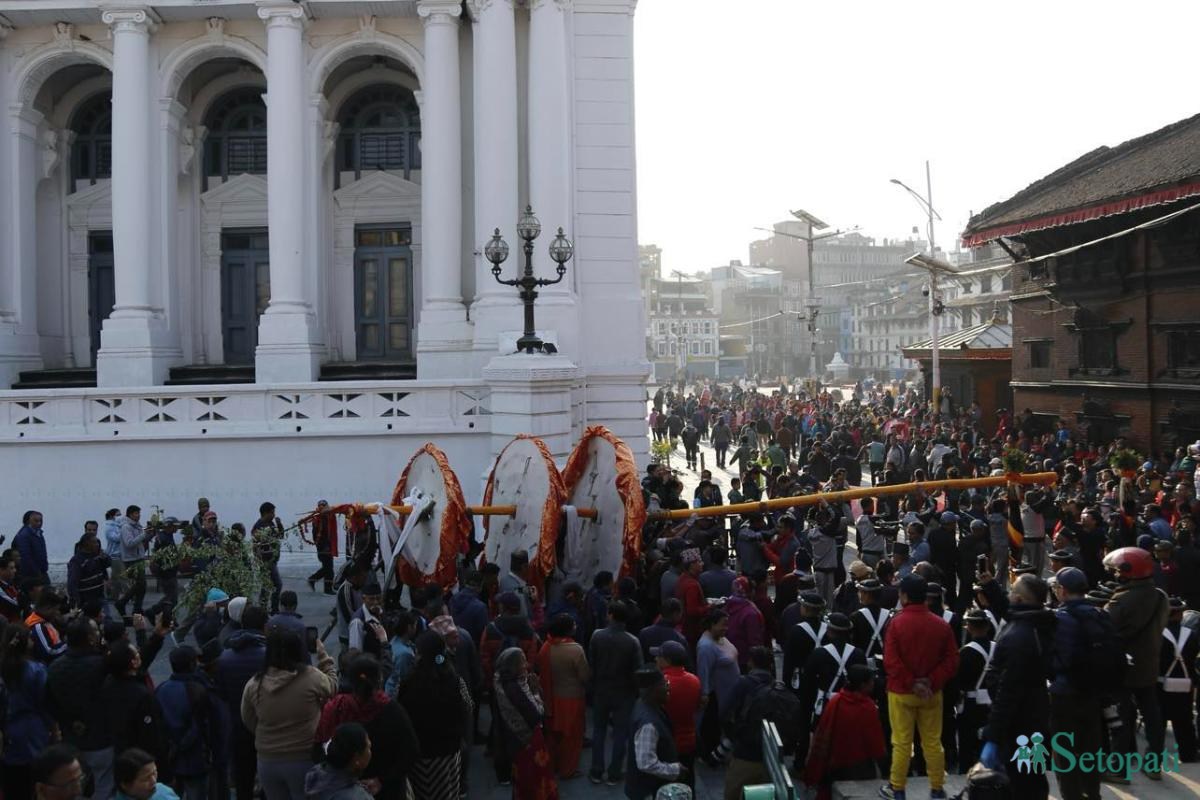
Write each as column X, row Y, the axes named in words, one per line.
column 91, row 162
column 236, row 145
column 379, row 132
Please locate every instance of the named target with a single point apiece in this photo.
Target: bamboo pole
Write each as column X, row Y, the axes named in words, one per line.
column 763, row 506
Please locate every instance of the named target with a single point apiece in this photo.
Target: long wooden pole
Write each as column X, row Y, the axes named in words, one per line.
column 480, row 511
column 763, row 506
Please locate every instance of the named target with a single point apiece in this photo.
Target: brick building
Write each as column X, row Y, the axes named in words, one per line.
column 1106, row 289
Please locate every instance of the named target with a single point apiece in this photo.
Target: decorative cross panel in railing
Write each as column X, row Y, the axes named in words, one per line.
column 424, row 407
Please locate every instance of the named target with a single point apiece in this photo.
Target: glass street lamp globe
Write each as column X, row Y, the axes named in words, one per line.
column 561, row 249
column 496, row 251
column 528, row 228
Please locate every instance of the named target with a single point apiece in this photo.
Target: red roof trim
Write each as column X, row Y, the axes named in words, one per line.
column 1084, row 214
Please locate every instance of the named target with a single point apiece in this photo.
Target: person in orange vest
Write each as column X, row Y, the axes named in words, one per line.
column 43, row 624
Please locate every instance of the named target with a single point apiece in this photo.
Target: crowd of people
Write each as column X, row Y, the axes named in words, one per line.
column 976, row 623
column 965, row 629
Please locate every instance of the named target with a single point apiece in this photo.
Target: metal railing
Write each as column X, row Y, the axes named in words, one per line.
column 781, row 786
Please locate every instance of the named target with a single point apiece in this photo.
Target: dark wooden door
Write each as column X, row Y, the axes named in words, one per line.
column 102, row 295
column 383, row 294
column 245, row 291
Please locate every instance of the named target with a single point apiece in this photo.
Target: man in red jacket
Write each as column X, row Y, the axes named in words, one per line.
column 691, row 596
column 919, row 657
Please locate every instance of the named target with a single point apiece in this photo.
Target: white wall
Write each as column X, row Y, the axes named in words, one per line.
column 77, row 481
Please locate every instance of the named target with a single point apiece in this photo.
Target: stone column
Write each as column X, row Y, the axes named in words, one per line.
column 497, row 164
column 549, row 136
column 532, row 394
column 443, row 332
column 20, row 347
column 288, row 344
column 134, row 345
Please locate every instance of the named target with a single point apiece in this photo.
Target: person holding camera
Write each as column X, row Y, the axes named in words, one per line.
column 133, row 556
column 267, row 533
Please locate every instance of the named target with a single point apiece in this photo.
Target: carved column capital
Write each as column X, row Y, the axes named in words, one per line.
column 281, row 13
column 129, row 19
column 439, row 12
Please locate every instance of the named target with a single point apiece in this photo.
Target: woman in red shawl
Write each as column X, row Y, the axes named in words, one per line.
column 563, row 668
column 522, row 710
column 394, row 744
column 848, row 742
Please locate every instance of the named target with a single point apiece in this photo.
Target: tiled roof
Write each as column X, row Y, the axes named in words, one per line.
column 1168, row 157
column 985, row 336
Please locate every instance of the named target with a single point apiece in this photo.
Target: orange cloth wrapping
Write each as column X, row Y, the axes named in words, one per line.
column 456, row 525
column 565, row 729
column 628, row 485
column 547, row 557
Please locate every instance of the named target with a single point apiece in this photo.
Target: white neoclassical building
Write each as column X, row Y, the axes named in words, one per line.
column 241, row 244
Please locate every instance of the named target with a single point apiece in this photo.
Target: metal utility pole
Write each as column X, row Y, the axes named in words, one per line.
column 934, row 322
column 681, row 362
column 926, row 203
column 812, row 303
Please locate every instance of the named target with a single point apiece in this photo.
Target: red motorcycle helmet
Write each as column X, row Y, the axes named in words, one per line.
column 1129, row 563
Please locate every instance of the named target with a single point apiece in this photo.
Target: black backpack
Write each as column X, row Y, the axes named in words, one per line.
column 507, row 640
column 775, row 703
column 1104, row 654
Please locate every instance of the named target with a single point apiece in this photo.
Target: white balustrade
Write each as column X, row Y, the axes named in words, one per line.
column 240, row 411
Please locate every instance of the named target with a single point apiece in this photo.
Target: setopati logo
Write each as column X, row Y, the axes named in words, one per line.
column 1032, row 756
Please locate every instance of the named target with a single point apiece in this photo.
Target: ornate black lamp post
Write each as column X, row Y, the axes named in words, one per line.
column 561, row 250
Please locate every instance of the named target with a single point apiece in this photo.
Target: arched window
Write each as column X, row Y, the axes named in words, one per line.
column 237, row 135
column 91, row 154
column 380, row 129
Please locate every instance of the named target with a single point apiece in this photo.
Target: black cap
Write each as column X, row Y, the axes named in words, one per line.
column 1072, row 579
column 1061, row 555
column 372, row 588
column 1176, row 603
column 812, row 600
column 839, row 622
column 672, row 651
column 934, row 589
column 1024, row 569
column 900, row 549
column 977, row 616
column 870, row 585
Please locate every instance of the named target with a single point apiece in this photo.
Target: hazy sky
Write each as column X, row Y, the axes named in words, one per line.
column 749, row 108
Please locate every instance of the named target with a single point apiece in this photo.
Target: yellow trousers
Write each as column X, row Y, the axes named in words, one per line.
column 906, row 713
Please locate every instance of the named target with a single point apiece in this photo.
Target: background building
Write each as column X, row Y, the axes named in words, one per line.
column 283, row 300
column 684, row 335
column 753, row 332
column 1106, row 287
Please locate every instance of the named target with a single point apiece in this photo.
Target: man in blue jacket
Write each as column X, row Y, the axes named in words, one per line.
column 192, row 721
column 243, row 657
column 468, row 609
column 31, row 544
column 1074, row 699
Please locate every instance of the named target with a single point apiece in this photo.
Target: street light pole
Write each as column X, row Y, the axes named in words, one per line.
column 681, row 358
column 814, row 309
column 934, row 322
column 926, row 203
